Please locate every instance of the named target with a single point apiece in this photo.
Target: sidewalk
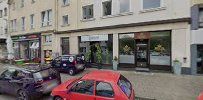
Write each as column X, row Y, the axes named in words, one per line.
column 159, row 86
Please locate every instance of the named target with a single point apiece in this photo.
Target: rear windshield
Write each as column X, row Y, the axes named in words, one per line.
column 125, row 85
column 45, row 74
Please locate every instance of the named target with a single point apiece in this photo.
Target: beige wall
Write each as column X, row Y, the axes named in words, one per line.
column 32, row 8
column 197, row 1
column 170, row 9
column 180, row 38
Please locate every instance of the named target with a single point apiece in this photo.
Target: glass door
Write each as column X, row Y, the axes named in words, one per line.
column 141, row 55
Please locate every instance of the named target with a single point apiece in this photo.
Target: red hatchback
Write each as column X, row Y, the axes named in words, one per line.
column 96, row 85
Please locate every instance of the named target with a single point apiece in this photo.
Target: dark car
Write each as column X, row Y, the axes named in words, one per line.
column 29, row 83
column 69, row 63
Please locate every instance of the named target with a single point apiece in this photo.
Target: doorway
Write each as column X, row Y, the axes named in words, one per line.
column 142, row 53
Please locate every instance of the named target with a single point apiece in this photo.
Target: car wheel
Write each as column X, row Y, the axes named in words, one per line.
column 22, row 95
column 58, row 98
column 71, row 71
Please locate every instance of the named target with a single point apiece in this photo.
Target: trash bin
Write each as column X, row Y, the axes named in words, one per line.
column 177, row 68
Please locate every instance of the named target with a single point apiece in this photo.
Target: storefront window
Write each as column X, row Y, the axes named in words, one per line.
column 65, row 45
column 16, row 50
column 127, row 48
column 34, row 49
column 88, row 44
column 160, row 48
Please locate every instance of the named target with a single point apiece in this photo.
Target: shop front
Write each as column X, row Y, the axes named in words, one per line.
column 27, row 47
column 91, row 45
column 145, row 50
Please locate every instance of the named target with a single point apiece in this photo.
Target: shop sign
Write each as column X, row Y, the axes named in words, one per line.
column 94, row 38
column 142, row 35
column 26, row 37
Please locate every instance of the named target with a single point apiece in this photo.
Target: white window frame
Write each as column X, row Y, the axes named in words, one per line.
column 49, row 17
column 32, row 21
column 43, row 18
column 161, row 5
column 66, row 4
column 15, row 25
column 63, row 23
column 119, row 6
column 86, row 12
column 47, row 39
column 103, row 7
column 23, row 23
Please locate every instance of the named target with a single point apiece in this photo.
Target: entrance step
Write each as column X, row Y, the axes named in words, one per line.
column 142, row 69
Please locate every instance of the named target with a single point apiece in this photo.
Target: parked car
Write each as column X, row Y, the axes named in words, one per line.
column 96, row 85
column 200, row 97
column 69, row 63
column 29, row 83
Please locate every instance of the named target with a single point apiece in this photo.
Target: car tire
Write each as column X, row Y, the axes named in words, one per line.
column 57, row 98
column 22, row 95
column 71, row 71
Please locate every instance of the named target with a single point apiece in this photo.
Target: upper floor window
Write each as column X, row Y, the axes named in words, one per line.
column 65, row 20
column 13, row 6
column 11, row 25
column 107, row 6
column 5, row 11
column 23, row 23
column 201, row 17
column 148, row 4
column 33, row 1
column 87, row 12
column 65, row 2
column 124, row 6
column 47, row 39
column 22, row 3
column 46, row 17
column 15, row 25
column 1, row 13
column 32, row 21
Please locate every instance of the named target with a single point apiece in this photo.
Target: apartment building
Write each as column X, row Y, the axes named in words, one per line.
column 196, row 37
column 3, row 28
column 32, row 24
column 143, row 34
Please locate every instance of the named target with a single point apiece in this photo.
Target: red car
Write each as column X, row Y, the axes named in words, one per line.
column 96, row 85
column 200, row 97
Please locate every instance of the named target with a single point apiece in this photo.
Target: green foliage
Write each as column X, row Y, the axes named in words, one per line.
column 87, row 55
column 107, row 56
column 99, row 54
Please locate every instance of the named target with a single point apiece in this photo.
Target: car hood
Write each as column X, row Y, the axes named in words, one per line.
column 200, row 97
column 63, row 86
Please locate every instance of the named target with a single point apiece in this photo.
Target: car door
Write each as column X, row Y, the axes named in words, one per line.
column 104, row 91
column 5, row 84
column 83, row 89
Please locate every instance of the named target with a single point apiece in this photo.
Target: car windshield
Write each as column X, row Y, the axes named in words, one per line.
column 125, row 85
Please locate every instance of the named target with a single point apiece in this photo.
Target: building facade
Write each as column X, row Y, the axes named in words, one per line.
column 143, row 34
column 3, row 28
column 32, row 24
column 196, row 37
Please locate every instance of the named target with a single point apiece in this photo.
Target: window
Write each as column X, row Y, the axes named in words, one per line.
column 1, row 13
column 46, row 17
column 124, row 6
column 15, row 25
column 160, row 48
column 107, row 8
column 49, row 14
column 8, row 74
column 84, row 87
column 148, row 4
column 127, row 48
column 5, row 11
column 65, row 20
column 125, row 85
column 201, row 17
column 13, row 6
column 11, row 25
column 65, row 45
column 104, row 89
column 23, row 23
column 47, row 39
column 22, row 3
column 33, row 1
column 88, row 12
column 32, row 21
column 65, row 2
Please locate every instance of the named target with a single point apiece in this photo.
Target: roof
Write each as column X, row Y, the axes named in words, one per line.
column 101, row 75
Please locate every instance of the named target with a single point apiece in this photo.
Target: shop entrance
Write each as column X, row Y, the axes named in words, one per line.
column 93, row 51
column 142, row 54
